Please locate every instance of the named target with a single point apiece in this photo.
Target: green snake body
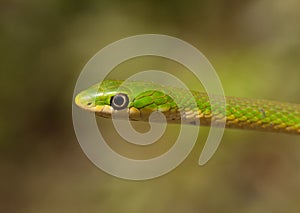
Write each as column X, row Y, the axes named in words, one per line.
column 143, row 98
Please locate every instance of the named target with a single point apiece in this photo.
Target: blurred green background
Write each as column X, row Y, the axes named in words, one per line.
column 253, row 45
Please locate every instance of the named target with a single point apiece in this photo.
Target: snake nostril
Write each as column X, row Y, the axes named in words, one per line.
column 89, row 103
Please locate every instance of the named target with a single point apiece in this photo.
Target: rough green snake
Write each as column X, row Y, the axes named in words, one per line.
column 131, row 97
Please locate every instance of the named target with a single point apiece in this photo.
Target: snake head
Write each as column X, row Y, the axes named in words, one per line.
column 103, row 98
column 136, row 99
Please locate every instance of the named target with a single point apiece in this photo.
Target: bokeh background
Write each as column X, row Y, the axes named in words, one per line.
column 253, row 45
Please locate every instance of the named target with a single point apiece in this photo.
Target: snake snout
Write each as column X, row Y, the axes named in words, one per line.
column 84, row 101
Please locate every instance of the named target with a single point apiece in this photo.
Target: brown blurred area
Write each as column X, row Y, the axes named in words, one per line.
column 253, row 45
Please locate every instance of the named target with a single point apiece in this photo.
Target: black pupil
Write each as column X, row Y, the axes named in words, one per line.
column 118, row 100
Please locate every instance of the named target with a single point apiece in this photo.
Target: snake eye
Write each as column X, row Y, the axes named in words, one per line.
column 119, row 101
